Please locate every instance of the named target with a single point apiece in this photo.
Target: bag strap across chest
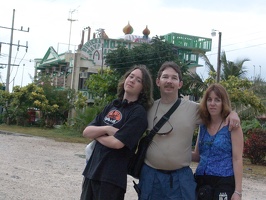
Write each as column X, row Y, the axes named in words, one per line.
column 164, row 118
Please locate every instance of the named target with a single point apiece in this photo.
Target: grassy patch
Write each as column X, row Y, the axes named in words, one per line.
column 58, row 134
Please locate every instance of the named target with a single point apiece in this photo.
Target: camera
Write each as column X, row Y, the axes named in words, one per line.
column 205, row 192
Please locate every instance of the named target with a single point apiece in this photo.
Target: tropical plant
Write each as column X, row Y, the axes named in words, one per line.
column 230, row 68
column 211, row 71
column 246, row 96
column 247, row 125
column 196, row 85
column 84, row 117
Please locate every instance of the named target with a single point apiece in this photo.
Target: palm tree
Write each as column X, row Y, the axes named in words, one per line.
column 196, row 85
column 211, row 71
column 233, row 71
column 230, row 68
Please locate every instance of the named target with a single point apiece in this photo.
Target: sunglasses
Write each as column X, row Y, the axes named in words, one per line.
column 166, row 129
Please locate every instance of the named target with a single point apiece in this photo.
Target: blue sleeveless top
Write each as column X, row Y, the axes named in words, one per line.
column 215, row 153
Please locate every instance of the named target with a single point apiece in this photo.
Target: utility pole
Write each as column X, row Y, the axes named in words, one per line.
column 219, row 58
column 71, row 20
column 10, row 48
column 102, row 61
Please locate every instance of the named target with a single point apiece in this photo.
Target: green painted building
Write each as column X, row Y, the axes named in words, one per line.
column 71, row 70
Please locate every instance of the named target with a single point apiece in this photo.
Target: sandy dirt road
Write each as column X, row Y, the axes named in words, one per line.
column 36, row 168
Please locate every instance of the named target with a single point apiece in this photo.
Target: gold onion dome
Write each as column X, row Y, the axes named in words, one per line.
column 128, row 29
column 146, row 31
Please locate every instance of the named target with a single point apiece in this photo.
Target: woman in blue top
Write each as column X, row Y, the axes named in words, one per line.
column 218, row 150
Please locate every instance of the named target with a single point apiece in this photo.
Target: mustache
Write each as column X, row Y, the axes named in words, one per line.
column 168, row 85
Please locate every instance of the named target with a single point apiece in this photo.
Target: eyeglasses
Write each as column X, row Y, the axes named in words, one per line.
column 165, row 129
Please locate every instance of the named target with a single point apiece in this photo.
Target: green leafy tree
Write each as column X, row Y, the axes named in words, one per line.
column 259, row 88
column 152, row 55
column 5, row 99
column 59, row 103
column 53, row 104
column 80, row 102
column 103, row 86
column 22, row 99
column 247, row 97
column 242, row 96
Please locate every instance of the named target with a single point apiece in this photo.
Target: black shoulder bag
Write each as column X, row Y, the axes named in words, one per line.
column 137, row 159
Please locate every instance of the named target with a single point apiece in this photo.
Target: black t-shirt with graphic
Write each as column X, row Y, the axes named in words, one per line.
column 110, row 165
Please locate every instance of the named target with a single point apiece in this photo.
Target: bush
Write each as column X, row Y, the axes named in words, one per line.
column 250, row 124
column 84, row 117
column 255, row 146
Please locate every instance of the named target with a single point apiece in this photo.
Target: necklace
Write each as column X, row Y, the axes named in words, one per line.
column 209, row 143
column 216, row 130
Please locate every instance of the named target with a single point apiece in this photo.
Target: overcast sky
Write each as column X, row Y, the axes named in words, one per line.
column 242, row 23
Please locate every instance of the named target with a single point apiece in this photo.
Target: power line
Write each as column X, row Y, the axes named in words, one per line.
column 247, row 47
column 243, row 41
column 10, row 48
column 6, row 55
column 17, row 70
column 237, row 36
column 256, row 45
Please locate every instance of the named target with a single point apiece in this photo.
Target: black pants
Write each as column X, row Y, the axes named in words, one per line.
column 210, row 187
column 97, row 190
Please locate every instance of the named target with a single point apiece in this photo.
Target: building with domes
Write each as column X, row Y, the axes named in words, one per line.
column 71, row 70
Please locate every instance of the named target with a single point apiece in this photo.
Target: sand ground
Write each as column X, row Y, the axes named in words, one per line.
column 35, row 168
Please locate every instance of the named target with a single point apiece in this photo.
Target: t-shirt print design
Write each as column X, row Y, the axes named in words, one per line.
column 113, row 117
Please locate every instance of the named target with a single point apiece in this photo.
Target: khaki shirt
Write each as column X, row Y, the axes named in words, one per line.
column 172, row 151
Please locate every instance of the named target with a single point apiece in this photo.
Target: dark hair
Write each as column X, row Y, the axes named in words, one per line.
column 221, row 92
column 146, row 95
column 171, row 64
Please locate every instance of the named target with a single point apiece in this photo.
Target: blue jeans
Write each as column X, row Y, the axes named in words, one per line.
column 167, row 185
